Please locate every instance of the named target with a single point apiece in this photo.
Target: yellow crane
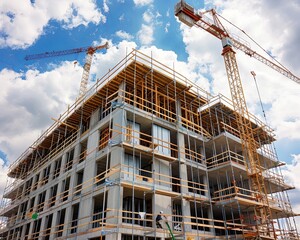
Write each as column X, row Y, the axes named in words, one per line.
column 213, row 25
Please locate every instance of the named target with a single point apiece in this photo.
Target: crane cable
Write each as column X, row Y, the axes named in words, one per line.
column 258, row 93
column 254, row 42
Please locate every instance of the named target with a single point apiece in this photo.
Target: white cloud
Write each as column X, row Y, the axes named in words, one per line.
column 145, row 34
column 148, row 16
column 122, row 17
column 105, row 6
column 168, row 13
column 33, row 18
column 29, row 100
column 167, row 27
column 142, row 2
column 124, row 35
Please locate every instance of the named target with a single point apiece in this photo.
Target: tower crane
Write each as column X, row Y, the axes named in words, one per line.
column 87, row 65
column 186, row 14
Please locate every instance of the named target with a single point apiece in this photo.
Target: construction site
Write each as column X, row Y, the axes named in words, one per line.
column 145, row 153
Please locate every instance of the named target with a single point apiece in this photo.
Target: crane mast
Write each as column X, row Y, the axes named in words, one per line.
column 262, row 211
column 86, row 67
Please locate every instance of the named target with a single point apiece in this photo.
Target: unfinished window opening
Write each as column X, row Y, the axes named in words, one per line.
column 138, row 167
column 31, row 205
column 75, row 214
column 65, row 189
column 57, row 167
column 131, row 167
column 41, row 201
column 133, row 207
column 28, row 185
column 161, row 137
column 36, row 228
column 23, row 208
column 97, row 238
column 46, row 173
column 60, row 222
column 48, row 225
column 53, row 193
column 146, row 169
column 69, row 161
column 21, row 190
column 177, row 215
column 12, row 234
column 104, row 138
column 85, row 125
column 199, row 217
column 175, row 177
column 194, row 150
column 99, row 211
column 36, row 182
column 230, row 215
column 101, row 171
column 27, row 229
column 18, row 232
column 132, row 132
column 136, row 237
column 196, row 181
column 83, row 150
column 79, row 180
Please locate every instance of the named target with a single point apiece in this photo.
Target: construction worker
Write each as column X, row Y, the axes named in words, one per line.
column 159, row 219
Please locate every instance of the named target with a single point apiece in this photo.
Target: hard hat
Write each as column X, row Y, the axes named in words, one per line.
column 161, row 212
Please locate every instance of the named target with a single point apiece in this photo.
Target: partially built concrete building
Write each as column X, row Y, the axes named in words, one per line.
column 145, row 139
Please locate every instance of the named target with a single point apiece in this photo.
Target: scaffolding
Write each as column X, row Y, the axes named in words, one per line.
column 145, row 139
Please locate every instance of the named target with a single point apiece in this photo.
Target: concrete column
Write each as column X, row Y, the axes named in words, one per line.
column 76, row 154
column 94, row 119
column 63, row 162
column 54, row 223
column 113, row 202
column 85, row 207
column 210, row 216
column 22, row 234
column 162, row 203
column 161, row 176
column 68, row 218
column 92, row 147
column 116, row 158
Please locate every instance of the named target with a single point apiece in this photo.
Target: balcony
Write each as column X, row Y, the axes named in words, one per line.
column 227, row 157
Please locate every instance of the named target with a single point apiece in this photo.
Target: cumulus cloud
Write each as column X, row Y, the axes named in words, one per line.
column 32, row 18
column 145, row 34
column 148, row 16
column 29, row 100
column 142, row 2
column 124, row 35
column 105, row 6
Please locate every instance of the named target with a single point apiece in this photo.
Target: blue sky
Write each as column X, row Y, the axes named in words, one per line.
column 32, row 92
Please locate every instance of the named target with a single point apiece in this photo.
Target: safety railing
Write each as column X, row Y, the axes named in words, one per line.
column 224, row 158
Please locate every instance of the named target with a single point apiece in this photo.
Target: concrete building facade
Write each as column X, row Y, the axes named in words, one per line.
column 145, row 139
